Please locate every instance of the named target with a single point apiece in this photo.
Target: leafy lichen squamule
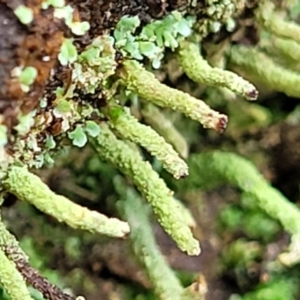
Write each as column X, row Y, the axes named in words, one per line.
column 153, row 188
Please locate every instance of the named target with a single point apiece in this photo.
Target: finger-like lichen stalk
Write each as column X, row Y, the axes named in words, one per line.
column 211, row 169
column 287, row 48
column 131, row 129
column 11, row 280
column 265, row 70
column 151, row 187
column 198, row 69
column 292, row 256
column 160, row 123
column 273, row 22
column 165, row 283
column 144, row 83
column 29, row 187
column 186, row 213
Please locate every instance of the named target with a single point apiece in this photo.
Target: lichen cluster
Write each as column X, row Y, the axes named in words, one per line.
column 76, row 92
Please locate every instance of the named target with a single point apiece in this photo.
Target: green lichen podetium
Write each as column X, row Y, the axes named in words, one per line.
column 130, row 128
column 165, row 283
column 153, row 188
column 160, row 123
column 286, row 48
column 200, row 71
column 272, row 22
column 262, row 68
column 211, row 169
column 29, row 187
column 135, row 78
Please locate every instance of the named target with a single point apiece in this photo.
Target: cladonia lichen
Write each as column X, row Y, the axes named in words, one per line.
column 103, row 88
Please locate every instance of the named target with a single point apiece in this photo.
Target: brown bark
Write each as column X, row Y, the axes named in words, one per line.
column 38, row 43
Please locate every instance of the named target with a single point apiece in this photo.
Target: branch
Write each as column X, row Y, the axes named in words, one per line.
column 10, row 246
column 11, row 280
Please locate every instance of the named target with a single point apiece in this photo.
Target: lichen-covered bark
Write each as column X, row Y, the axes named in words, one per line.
column 36, row 44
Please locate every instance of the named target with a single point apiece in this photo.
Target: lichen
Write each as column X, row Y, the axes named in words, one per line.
column 151, row 187
column 30, row 188
column 24, row 14
column 72, row 88
column 130, row 129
